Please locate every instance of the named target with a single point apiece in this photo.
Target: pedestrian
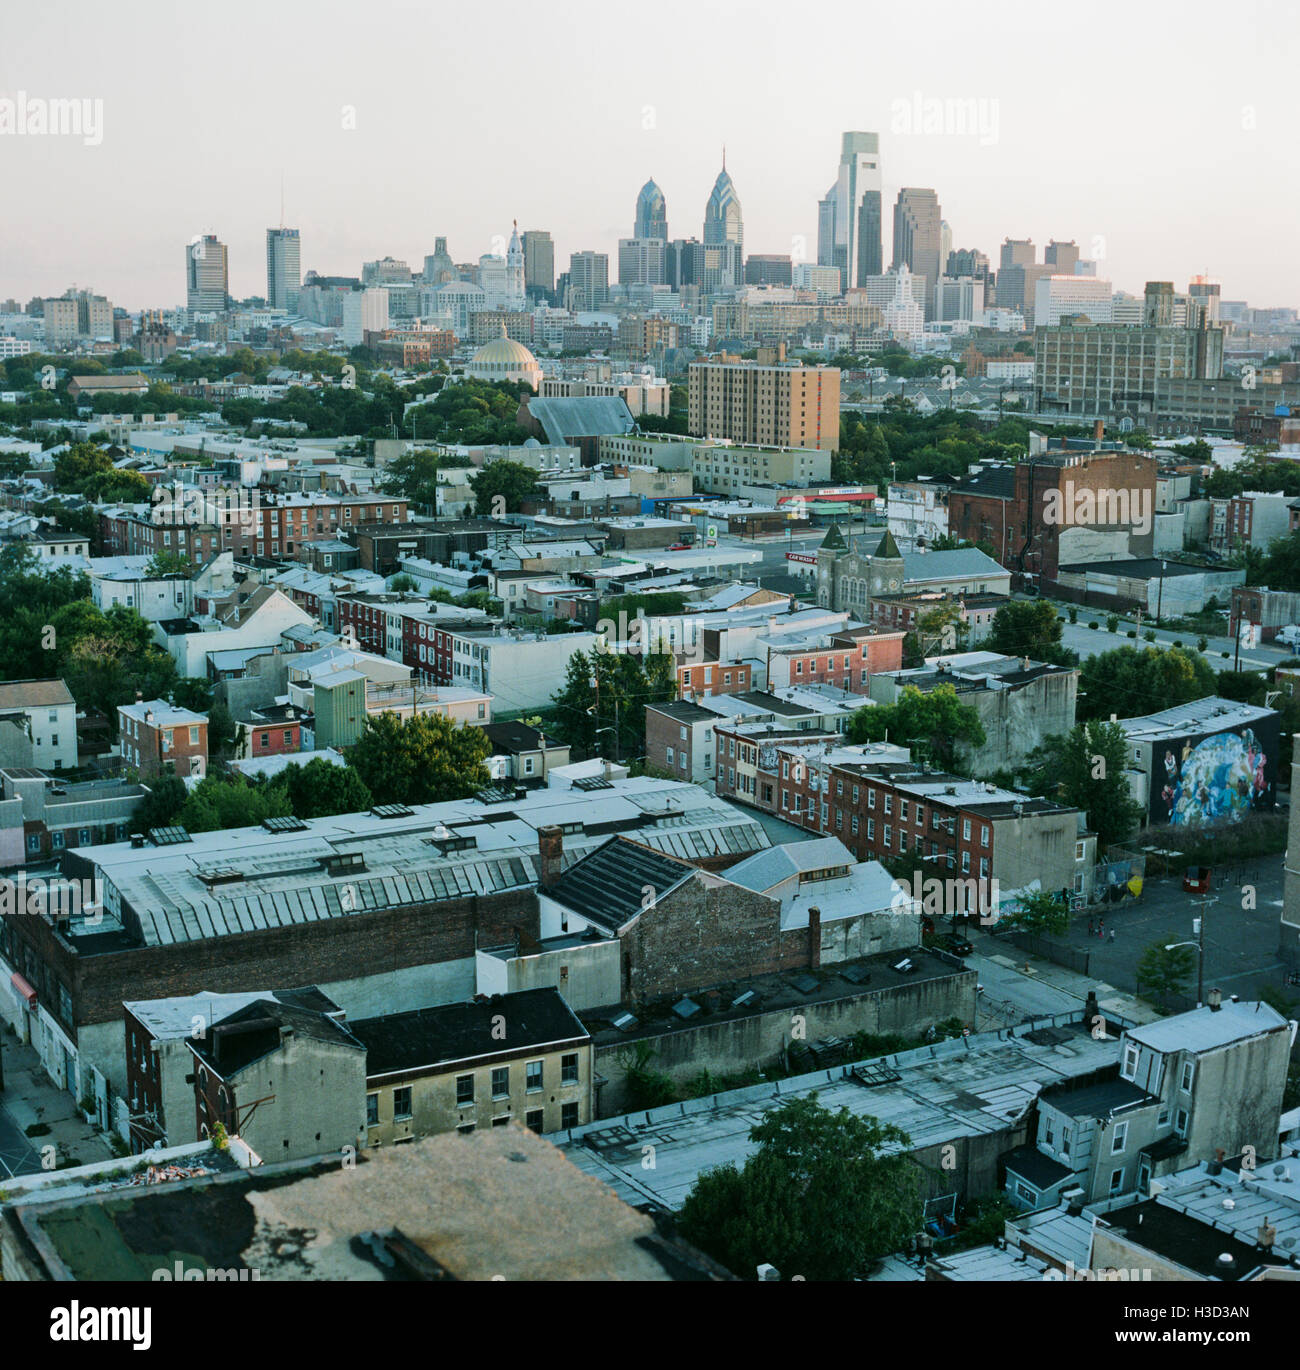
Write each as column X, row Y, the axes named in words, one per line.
column 1092, row 925
column 1101, row 928
column 1112, row 934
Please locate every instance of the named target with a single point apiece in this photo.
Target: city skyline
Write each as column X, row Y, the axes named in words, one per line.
column 1012, row 150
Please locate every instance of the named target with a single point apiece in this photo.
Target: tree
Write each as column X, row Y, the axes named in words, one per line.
column 1246, row 687
column 117, row 487
column 320, row 789
column 501, row 487
column 73, row 468
column 1029, row 628
column 935, row 718
column 194, row 692
column 1164, row 970
column 1091, row 765
column 1129, row 682
column 819, row 1199
column 415, row 476
column 218, row 802
column 576, row 721
column 941, row 629
column 420, row 760
column 1040, row 911
column 158, row 809
column 168, row 563
column 221, row 730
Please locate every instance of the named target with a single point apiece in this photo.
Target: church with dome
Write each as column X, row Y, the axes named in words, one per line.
column 503, row 359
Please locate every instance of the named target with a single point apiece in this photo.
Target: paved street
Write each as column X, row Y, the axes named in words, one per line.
column 1089, row 641
column 17, row 1155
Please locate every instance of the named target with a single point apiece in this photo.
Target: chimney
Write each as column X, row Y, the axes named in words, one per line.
column 814, row 938
column 1215, row 1000
column 139, row 697
column 1091, row 1009
column 1098, row 433
column 550, row 852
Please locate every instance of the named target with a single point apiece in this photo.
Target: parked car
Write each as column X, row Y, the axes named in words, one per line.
column 1290, row 635
column 954, row 944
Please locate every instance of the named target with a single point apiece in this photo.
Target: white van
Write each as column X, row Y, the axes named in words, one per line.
column 1289, row 636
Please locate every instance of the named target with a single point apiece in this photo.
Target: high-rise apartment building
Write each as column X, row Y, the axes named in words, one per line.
column 1207, row 293
column 1062, row 257
column 767, row 268
column 917, row 240
column 539, row 262
column 588, row 280
column 207, row 275
column 283, row 267
column 60, row 322
column 849, row 218
column 765, row 406
column 651, row 219
column 959, row 297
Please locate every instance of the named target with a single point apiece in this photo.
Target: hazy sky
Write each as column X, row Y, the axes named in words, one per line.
column 1163, row 135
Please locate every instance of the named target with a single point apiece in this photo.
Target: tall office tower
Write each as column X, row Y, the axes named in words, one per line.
column 60, row 321
column 684, row 262
column 1017, row 252
column 1158, row 304
column 967, row 261
column 588, row 280
column 917, row 240
column 1207, row 293
column 283, row 267
column 768, row 268
column 651, row 213
column 641, row 261
column 959, row 297
column 439, row 267
column 1061, row 297
column 945, row 243
column 539, row 262
column 1061, row 257
column 723, row 221
column 849, row 218
column 207, row 275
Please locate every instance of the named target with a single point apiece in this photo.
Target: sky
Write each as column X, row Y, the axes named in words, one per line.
column 1160, row 137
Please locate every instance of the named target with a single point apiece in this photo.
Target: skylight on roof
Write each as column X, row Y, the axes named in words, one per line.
column 169, row 836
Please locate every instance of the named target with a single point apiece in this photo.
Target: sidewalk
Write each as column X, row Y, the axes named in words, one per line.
column 31, row 1097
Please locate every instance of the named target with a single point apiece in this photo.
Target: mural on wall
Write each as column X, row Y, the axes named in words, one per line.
column 1215, row 777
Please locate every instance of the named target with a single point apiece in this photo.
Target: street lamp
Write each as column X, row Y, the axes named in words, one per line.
column 1198, row 927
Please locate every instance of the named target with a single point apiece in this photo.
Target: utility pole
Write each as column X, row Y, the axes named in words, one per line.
column 1160, row 598
column 1205, row 901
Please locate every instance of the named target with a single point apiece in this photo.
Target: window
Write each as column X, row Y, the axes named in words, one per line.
column 464, row 1090
column 871, row 830
column 902, row 809
column 1130, row 1062
column 501, row 1121
column 1163, row 1119
column 402, row 1102
column 965, row 829
column 533, row 1076
column 1116, row 1180
column 1065, row 1141
column 855, row 794
column 501, row 1082
column 1023, row 1191
column 569, row 1069
column 889, row 836
column 839, row 787
column 372, row 1109
column 902, row 839
column 871, row 798
column 1189, row 1074
column 534, row 1118
column 1049, row 1132
column 965, row 863
column 568, row 1115
column 194, row 735
column 1180, row 1122
column 1118, row 1138
column 669, row 755
column 889, row 803
column 984, row 835
column 853, row 824
column 56, row 841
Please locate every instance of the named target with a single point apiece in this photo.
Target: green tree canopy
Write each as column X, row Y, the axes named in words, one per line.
column 1163, row 970
column 1129, row 682
column 1029, row 628
column 1090, row 765
column 320, row 789
column 420, row 760
column 414, row 475
column 937, row 719
column 501, row 487
column 824, row 1196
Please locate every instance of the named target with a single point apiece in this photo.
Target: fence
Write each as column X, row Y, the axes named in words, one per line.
column 1072, row 958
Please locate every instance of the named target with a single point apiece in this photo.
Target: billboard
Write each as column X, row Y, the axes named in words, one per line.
column 1215, row 777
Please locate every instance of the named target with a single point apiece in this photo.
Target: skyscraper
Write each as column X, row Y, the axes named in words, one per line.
column 651, row 213
column 207, row 277
column 588, row 280
column 439, row 268
column 917, row 238
column 283, row 268
column 848, row 219
column 539, row 261
column 516, row 290
column 724, row 235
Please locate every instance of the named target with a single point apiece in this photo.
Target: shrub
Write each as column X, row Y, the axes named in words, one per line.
column 1094, row 625
column 1177, row 643
column 1132, row 632
column 1112, row 623
column 38, row 1130
column 1073, row 615
column 1225, row 655
column 1149, row 636
column 1202, row 643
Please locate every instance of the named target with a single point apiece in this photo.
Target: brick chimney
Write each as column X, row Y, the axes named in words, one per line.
column 1098, row 433
column 550, row 852
column 814, row 938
